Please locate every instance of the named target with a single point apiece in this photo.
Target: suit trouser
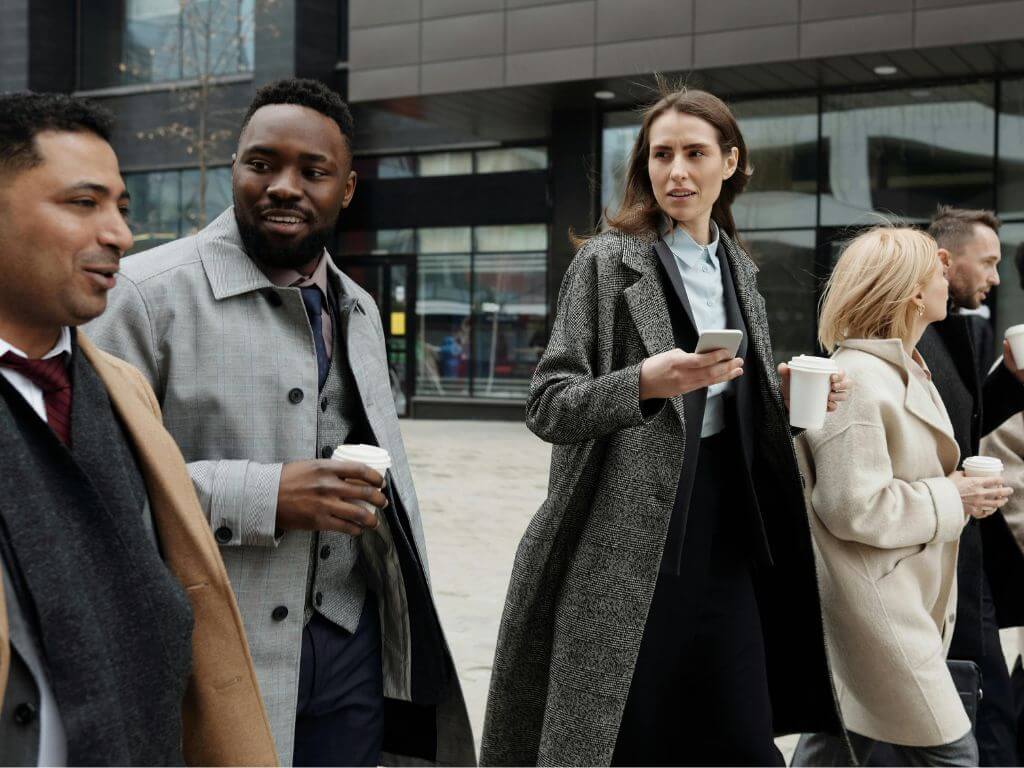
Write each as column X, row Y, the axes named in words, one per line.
column 340, row 717
column 699, row 694
column 822, row 749
column 996, row 728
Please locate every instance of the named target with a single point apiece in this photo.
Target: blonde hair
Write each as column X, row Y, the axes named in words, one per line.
column 870, row 292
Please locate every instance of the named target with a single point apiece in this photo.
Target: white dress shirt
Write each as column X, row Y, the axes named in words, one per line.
column 702, row 275
column 53, row 748
column 26, row 387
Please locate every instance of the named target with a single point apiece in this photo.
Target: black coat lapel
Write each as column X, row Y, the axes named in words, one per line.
column 668, row 263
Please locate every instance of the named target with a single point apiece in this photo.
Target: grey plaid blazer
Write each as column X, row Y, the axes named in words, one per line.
column 586, row 568
column 236, row 378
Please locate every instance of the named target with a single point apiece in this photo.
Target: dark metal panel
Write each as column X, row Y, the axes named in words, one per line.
column 52, row 45
column 449, row 201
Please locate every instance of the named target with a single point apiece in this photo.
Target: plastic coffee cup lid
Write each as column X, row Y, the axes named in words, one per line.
column 983, row 463
column 811, row 364
column 370, row 455
column 1014, row 330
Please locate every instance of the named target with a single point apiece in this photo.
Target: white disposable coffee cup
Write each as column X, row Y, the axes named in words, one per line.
column 370, row 455
column 983, row 466
column 810, row 382
column 1015, row 335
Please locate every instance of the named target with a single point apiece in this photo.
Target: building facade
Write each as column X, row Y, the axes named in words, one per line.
column 486, row 129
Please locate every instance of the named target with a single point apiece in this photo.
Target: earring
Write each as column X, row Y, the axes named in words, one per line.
column 920, row 311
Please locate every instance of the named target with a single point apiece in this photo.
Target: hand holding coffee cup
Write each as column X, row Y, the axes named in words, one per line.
column 981, row 486
column 813, row 390
column 676, row 372
column 1013, row 342
column 377, row 459
column 329, row 495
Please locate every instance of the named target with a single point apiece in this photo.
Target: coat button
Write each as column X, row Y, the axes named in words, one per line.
column 323, row 404
column 318, row 598
column 223, row 534
column 25, row 713
column 327, row 451
column 295, row 396
column 325, row 552
column 280, row 613
column 274, row 298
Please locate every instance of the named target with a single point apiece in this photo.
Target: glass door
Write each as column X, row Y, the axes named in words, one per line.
column 390, row 280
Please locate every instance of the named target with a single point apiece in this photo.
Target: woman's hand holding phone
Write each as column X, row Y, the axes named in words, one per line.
column 676, row 372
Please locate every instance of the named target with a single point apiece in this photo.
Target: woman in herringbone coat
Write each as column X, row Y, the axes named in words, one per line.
column 663, row 606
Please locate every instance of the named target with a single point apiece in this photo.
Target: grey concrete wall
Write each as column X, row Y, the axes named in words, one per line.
column 412, row 47
column 13, row 45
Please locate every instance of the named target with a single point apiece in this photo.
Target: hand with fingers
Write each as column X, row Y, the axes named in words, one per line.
column 840, row 385
column 981, row 496
column 323, row 495
column 676, row 372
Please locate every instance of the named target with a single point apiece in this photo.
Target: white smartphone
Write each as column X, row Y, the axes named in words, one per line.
column 728, row 339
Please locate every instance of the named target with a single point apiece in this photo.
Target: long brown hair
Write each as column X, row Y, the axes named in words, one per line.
column 639, row 211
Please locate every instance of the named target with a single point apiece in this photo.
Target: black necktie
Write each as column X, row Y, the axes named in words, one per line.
column 314, row 301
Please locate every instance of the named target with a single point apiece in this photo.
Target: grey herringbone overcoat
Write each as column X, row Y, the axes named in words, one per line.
column 231, row 359
column 586, row 568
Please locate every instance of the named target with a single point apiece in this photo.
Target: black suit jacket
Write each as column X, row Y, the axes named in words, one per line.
column 987, row 548
column 740, row 409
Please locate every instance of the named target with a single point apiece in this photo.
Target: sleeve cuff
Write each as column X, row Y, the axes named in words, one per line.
column 949, row 508
column 243, row 503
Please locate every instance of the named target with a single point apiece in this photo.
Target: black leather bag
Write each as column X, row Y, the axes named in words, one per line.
column 967, row 679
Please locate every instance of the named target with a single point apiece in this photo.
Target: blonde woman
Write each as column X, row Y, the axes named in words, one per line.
column 887, row 508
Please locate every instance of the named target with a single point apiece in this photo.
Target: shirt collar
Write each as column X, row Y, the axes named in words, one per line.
column 291, row 278
column 63, row 345
column 687, row 250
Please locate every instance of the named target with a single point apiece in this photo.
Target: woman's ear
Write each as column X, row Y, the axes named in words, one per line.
column 732, row 161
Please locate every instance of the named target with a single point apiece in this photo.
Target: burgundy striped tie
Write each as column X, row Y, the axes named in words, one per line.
column 51, row 376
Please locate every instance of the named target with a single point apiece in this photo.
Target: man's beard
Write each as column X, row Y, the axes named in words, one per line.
column 293, row 256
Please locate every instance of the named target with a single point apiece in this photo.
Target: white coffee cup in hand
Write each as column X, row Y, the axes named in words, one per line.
column 372, row 456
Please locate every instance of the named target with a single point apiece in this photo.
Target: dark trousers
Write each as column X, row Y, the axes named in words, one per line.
column 699, row 694
column 340, row 719
column 996, row 729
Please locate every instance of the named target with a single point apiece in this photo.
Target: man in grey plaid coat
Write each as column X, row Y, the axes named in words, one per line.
column 264, row 357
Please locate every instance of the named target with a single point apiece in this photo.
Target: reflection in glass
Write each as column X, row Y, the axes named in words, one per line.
column 164, row 204
column 445, row 164
column 617, row 140
column 516, row 237
column 445, row 240
column 443, row 324
column 782, row 141
column 160, row 40
column 1011, row 149
column 786, row 280
column 509, row 322
column 1009, row 309
column 512, row 159
column 905, row 152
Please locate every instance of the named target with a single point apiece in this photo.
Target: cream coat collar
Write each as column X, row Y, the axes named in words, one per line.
column 922, row 399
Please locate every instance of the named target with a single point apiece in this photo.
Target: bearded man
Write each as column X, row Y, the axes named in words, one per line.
column 264, row 357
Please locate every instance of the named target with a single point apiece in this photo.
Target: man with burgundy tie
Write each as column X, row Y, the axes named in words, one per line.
column 265, row 357
column 120, row 640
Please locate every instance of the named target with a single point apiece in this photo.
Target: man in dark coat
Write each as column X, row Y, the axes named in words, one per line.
column 991, row 567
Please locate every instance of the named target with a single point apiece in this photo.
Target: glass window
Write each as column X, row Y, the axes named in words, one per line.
column 1011, row 149
column 445, row 164
column 161, row 40
column 786, row 280
column 445, row 240
column 155, row 207
column 512, row 159
column 782, row 142
column 443, row 324
column 509, row 322
column 905, row 151
column 517, row 237
column 617, row 140
column 165, row 204
column 1009, row 307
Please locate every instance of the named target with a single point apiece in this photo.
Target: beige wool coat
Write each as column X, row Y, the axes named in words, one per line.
column 886, row 522
column 1007, row 443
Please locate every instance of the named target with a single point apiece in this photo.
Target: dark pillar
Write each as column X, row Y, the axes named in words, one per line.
column 575, row 167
